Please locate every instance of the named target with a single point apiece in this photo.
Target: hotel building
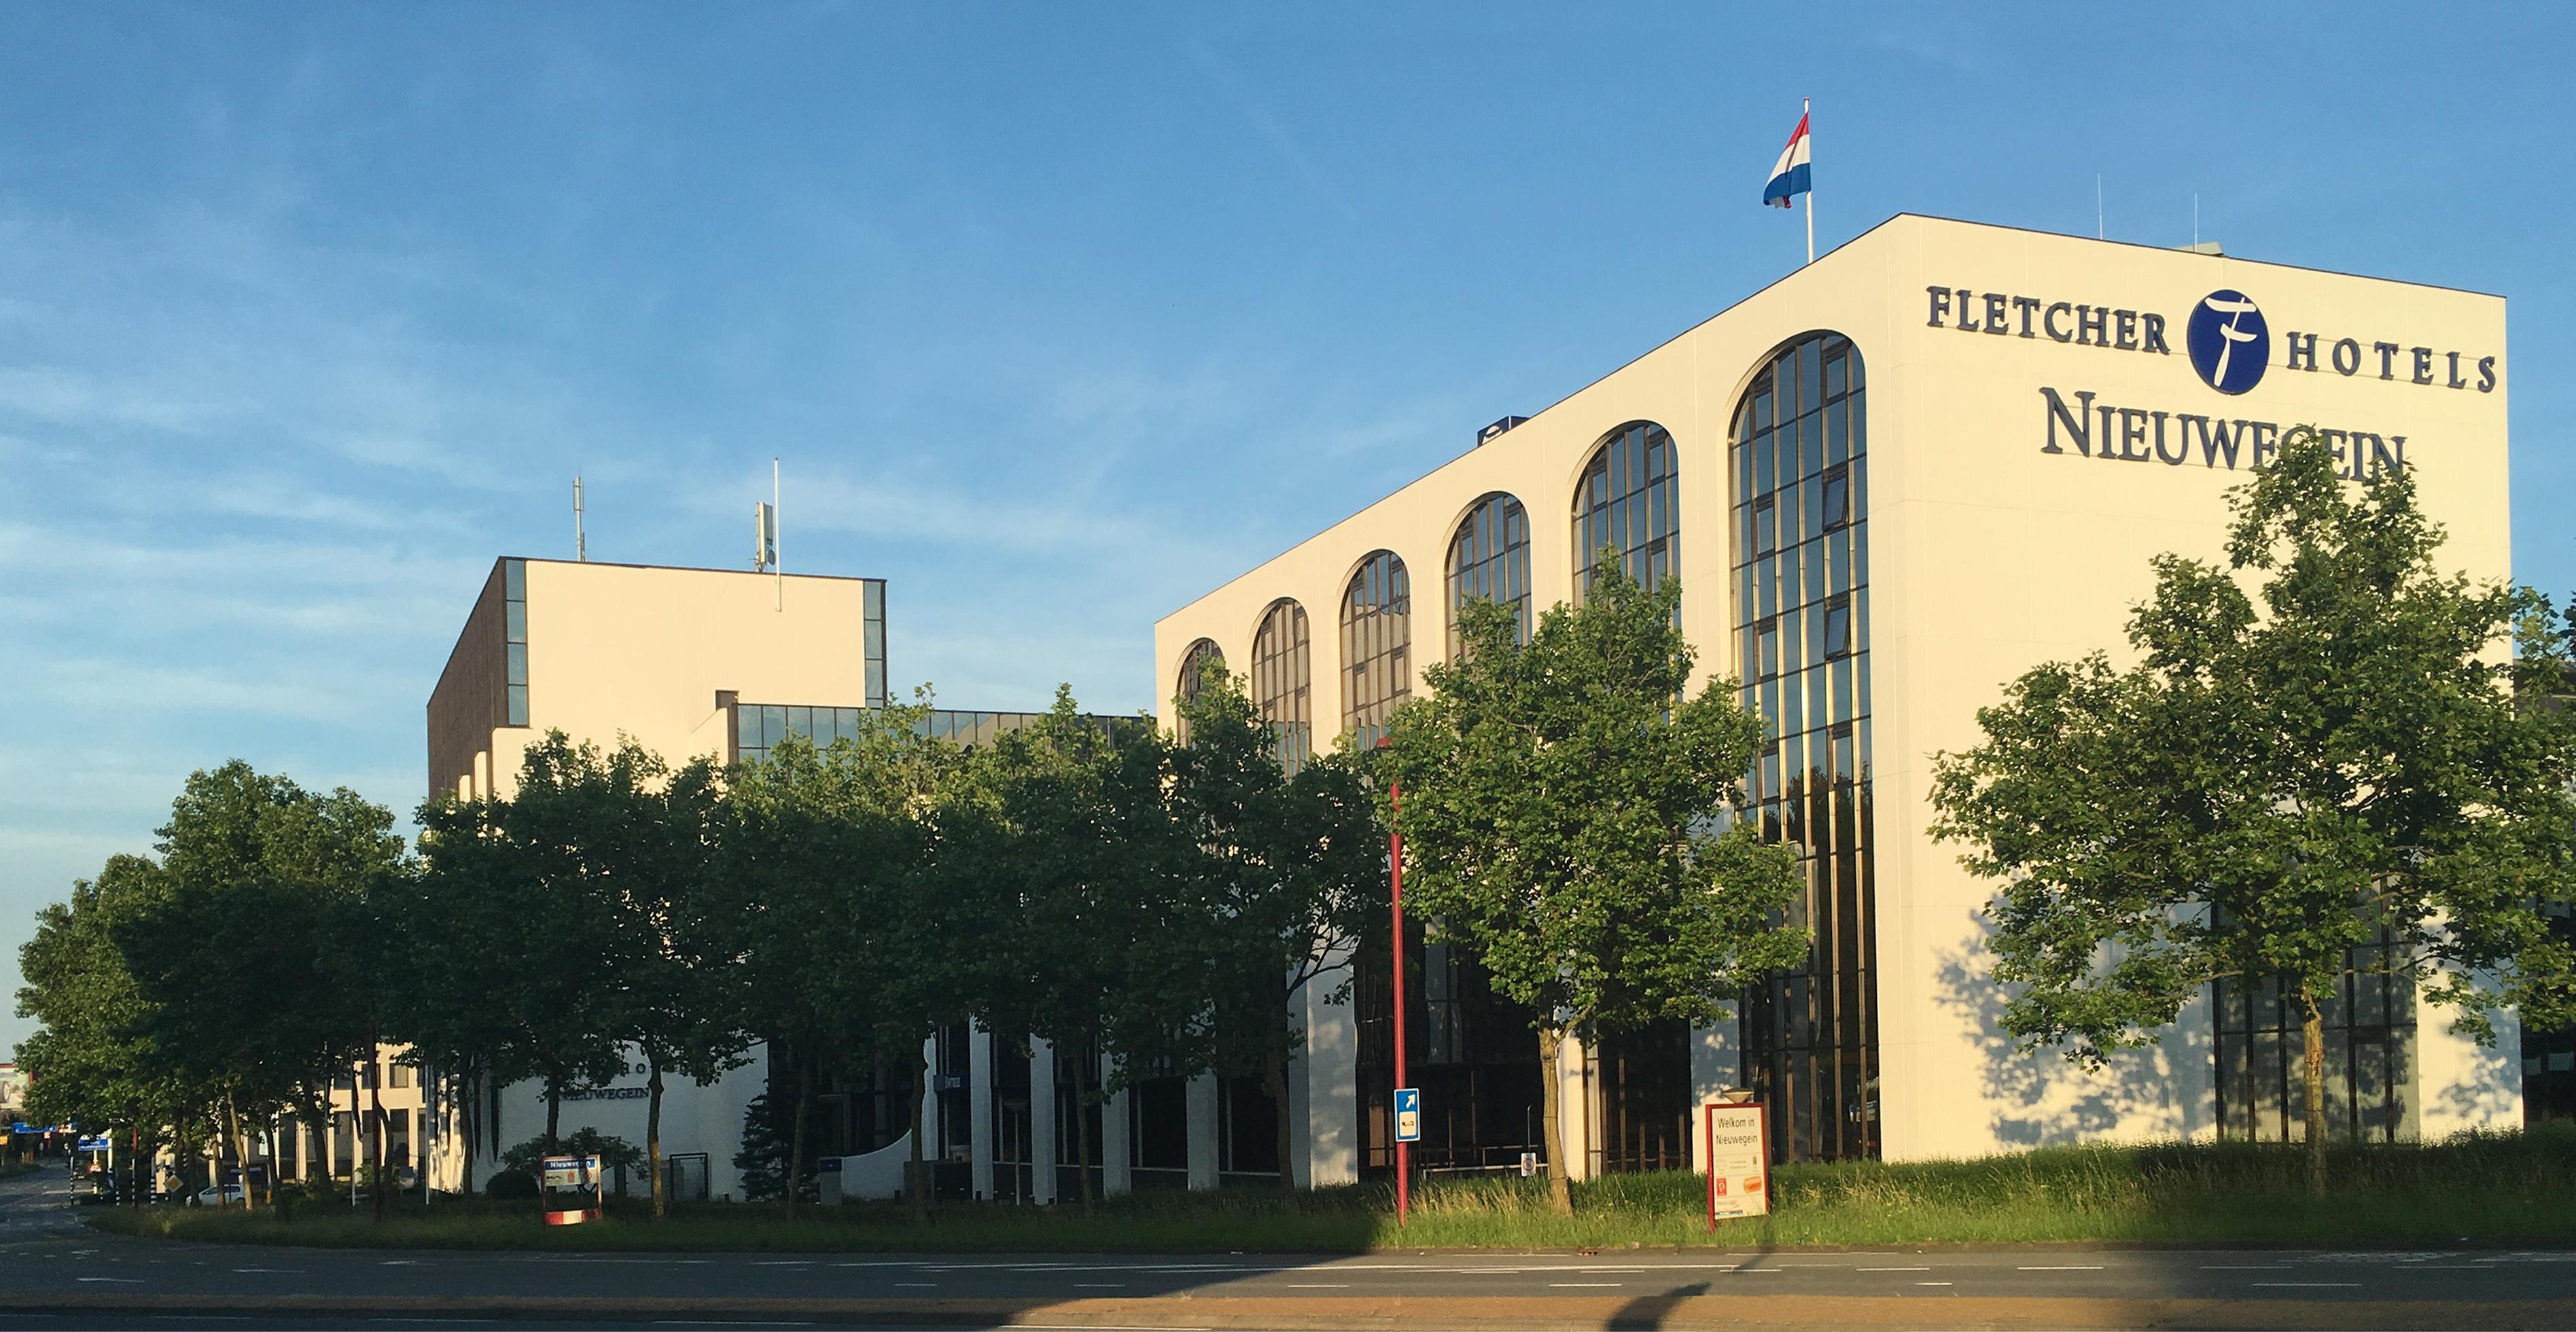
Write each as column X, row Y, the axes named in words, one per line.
column 1890, row 482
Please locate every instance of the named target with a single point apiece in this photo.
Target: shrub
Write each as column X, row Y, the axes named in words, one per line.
column 511, row 1186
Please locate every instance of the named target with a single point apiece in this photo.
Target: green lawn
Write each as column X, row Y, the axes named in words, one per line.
column 2489, row 1190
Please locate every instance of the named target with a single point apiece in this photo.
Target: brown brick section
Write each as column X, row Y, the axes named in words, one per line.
column 473, row 694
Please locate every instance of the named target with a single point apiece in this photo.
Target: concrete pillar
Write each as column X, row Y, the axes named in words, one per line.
column 1200, row 1103
column 1324, row 1094
column 1574, row 1088
column 928, row 1124
column 1042, row 1120
column 979, row 1097
column 1115, row 1178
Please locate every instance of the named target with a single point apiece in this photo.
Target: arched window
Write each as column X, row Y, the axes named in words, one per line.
column 1186, row 685
column 1377, row 645
column 1629, row 498
column 1204, row 650
column 1282, row 686
column 1800, row 517
column 1489, row 558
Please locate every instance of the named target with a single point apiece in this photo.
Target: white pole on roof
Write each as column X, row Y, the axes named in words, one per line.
column 778, row 567
column 1805, row 109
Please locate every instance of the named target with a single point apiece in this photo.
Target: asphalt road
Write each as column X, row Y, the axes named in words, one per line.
column 49, row 1262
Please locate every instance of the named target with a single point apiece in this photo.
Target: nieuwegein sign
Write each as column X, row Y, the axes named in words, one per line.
column 2230, row 345
column 1739, row 1160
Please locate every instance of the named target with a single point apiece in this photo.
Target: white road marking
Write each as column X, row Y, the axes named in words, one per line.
column 1932, row 1283
column 2307, row 1283
column 1318, row 1285
column 1896, row 1269
column 2258, row 1267
column 1572, row 1285
column 1102, row 1285
column 2070, row 1268
column 933, row 1285
column 126, row 1281
column 281, row 1271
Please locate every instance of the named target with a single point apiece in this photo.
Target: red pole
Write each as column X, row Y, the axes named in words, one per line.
column 1395, row 875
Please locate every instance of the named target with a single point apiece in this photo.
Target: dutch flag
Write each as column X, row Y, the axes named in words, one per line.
column 1790, row 176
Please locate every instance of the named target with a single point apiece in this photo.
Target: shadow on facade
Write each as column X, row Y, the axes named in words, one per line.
column 2041, row 1099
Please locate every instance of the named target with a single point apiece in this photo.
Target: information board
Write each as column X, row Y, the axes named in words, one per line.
column 1738, row 1140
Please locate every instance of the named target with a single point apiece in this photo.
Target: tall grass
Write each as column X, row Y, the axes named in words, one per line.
column 2509, row 1189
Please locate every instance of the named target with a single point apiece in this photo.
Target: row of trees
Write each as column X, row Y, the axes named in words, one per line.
column 2320, row 745
column 1086, row 882
column 1081, row 881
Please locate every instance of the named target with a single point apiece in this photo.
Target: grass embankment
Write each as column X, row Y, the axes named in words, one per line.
column 2490, row 1190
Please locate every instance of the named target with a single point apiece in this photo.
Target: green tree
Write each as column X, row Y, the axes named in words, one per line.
column 258, row 960
column 1056, row 853
column 91, row 1061
column 457, row 957
column 846, row 960
column 2284, row 775
column 560, row 936
column 1568, row 811
column 1287, row 872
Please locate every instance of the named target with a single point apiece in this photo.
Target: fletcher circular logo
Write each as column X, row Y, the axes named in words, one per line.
column 2228, row 341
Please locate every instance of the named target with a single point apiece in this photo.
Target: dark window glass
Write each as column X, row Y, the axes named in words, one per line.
column 1626, row 500
column 1489, row 559
column 1377, row 644
column 1801, row 551
column 1282, row 684
column 1837, row 498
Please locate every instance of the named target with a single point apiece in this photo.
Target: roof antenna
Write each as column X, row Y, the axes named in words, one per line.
column 580, row 543
column 780, row 569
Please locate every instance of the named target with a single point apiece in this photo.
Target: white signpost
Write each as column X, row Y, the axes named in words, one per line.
column 1739, row 1160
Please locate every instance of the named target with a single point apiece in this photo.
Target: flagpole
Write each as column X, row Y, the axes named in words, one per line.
column 1805, row 109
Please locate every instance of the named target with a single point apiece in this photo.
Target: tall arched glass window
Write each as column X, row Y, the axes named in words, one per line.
column 1282, row 685
column 1377, row 645
column 1800, row 524
column 1489, row 558
column 1185, row 683
column 1629, row 498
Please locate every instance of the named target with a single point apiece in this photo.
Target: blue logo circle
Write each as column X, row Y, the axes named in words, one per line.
column 2228, row 341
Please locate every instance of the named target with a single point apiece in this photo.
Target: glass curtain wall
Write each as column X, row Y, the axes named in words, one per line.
column 2370, row 1056
column 2549, row 1055
column 1283, row 684
column 1629, row 499
column 1377, row 645
column 1489, row 558
column 1801, row 633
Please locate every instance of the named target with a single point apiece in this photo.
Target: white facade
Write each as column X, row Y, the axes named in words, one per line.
column 2036, row 427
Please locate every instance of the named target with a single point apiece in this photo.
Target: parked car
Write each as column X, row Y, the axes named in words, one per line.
column 210, row 1196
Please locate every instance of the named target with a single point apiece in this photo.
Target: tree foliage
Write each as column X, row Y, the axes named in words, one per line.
column 2319, row 745
column 1568, row 812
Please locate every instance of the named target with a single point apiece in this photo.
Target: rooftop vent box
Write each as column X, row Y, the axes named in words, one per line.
column 1494, row 431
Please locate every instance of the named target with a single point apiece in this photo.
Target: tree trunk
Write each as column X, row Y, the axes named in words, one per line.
column 2312, row 1030
column 1560, row 1189
column 653, row 1135
column 1275, row 1076
column 1081, row 1131
column 554, row 1111
column 916, row 1183
column 376, row 1114
column 794, row 1184
column 470, row 1124
column 241, row 1150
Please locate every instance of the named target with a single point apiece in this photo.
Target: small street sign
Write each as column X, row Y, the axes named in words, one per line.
column 1408, row 1114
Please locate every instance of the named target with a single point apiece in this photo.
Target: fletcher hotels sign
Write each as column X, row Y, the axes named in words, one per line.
column 2229, row 344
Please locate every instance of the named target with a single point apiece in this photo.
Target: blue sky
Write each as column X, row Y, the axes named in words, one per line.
column 1057, row 314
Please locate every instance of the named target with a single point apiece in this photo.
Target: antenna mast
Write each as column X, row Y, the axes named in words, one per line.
column 580, row 542
column 774, row 564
